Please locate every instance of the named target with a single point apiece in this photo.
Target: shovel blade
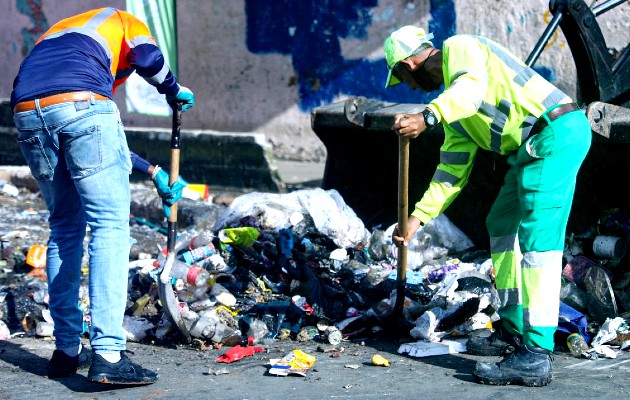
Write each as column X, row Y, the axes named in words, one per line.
column 171, row 309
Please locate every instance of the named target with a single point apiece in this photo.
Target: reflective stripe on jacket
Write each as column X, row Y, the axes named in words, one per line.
column 96, row 50
column 491, row 101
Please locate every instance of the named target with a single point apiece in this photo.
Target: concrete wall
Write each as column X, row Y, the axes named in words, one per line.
column 261, row 66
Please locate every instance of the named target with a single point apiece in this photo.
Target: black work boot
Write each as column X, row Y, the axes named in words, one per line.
column 62, row 365
column 484, row 343
column 527, row 366
column 124, row 372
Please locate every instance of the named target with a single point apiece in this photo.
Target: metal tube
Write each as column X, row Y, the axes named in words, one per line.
column 544, row 39
column 602, row 8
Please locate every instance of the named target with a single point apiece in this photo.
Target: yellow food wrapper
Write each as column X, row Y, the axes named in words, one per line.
column 295, row 363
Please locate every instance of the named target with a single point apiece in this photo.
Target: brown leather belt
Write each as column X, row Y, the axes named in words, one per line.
column 29, row 105
column 554, row 114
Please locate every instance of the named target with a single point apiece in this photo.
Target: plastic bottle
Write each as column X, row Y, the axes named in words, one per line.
column 198, row 253
column 222, row 332
column 576, row 344
column 192, row 275
column 202, row 239
column 204, row 327
column 191, row 294
column 255, row 328
column 238, row 340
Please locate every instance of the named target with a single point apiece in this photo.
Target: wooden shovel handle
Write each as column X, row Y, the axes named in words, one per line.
column 403, row 206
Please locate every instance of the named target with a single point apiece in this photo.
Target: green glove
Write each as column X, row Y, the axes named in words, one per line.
column 169, row 194
column 184, row 96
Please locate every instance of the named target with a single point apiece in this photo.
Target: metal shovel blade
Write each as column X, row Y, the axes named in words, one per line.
column 170, row 307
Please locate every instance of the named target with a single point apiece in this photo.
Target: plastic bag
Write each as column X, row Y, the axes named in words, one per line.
column 328, row 213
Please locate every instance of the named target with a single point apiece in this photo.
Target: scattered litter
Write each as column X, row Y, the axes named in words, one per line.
column 295, row 363
column 238, row 352
column 604, row 351
column 608, row 331
column 219, row 371
column 4, row 331
column 425, row 348
column 380, row 361
column 9, row 189
column 301, row 266
column 136, row 327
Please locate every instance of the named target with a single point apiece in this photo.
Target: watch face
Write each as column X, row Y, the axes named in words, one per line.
column 429, row 118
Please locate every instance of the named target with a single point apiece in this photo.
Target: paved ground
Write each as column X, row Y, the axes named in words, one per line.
column 190, row 373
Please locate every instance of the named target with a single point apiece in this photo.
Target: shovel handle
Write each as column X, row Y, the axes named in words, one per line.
column 165, row 288
column 174, row 174
column 403, row 208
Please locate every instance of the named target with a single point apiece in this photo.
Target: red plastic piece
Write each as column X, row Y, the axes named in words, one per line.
column 238, row 352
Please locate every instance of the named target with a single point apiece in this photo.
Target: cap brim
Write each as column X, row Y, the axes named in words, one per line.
column 391, row 80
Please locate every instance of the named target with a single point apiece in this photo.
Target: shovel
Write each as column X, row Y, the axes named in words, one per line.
column 356, row 110
column 403, row 188
column 165, row 288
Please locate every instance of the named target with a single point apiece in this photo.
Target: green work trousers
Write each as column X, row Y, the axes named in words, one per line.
column 527, row 227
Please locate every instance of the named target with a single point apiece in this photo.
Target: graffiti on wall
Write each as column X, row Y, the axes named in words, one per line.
column 310, row 33
column 33, row 10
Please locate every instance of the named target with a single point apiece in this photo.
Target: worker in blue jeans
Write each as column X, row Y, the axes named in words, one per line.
column 73, row 140
column 492, row 101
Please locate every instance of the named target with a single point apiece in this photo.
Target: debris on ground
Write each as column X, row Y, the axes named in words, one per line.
column 302, row 266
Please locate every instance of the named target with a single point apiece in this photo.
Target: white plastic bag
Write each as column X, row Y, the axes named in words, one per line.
column 328, row 212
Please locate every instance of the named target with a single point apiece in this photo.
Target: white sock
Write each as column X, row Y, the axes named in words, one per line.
column 110, row 357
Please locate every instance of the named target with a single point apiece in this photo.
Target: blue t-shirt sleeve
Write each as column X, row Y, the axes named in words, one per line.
column 139, row 164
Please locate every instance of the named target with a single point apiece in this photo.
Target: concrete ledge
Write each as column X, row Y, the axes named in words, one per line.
column 239, row 160
column 230, row 160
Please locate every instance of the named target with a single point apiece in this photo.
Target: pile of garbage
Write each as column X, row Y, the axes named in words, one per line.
column 302, row 266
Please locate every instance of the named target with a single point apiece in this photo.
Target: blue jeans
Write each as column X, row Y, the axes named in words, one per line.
column 78, row 153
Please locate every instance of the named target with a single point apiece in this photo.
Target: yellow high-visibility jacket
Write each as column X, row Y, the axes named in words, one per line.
column 491, row 101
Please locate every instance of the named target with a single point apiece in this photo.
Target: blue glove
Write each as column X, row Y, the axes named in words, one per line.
column 184, row 96
column 169, row 194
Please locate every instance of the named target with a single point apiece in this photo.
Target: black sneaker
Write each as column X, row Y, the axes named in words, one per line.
column 124, row 372
column 483, row 342
column 527, row 366
column 62, row 365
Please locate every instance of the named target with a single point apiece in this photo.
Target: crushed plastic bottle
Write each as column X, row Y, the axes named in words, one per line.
column 255, row 328
column 190, row 274
column 204, row 327
column 198, row 253
column 576, row 344
column 202, row 239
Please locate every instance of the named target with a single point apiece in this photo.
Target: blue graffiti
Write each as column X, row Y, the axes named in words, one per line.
column 309, row 31
column 545, row 72
column 33, row 10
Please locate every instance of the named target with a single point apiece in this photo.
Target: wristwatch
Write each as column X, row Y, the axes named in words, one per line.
column 430, row 119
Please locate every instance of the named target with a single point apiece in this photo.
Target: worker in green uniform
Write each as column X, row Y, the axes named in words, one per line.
column 492, row 101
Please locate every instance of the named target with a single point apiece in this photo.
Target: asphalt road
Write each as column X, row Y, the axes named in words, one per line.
column 191, row 373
